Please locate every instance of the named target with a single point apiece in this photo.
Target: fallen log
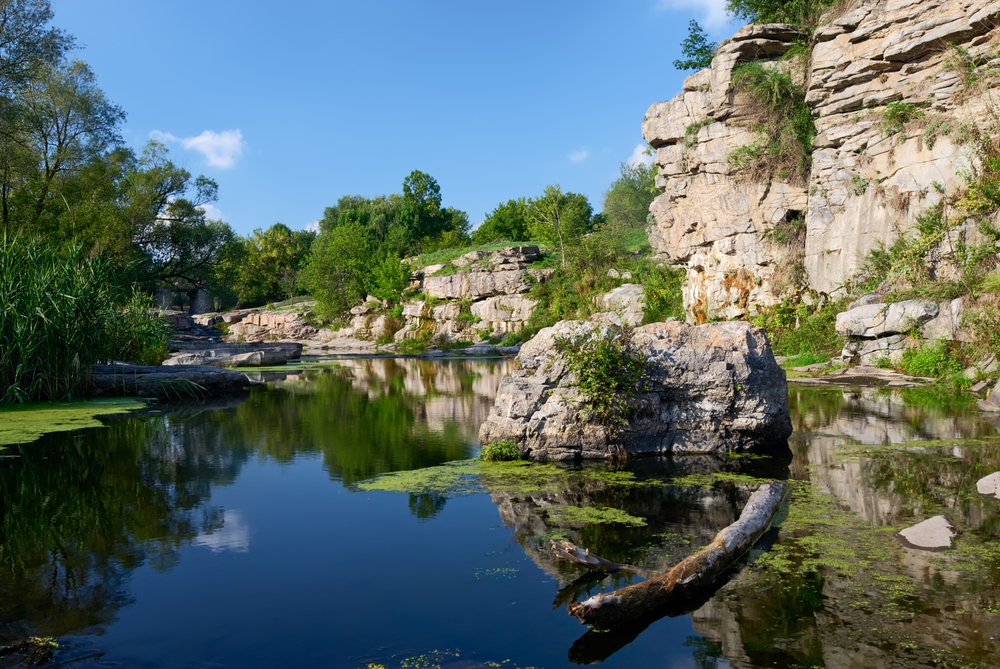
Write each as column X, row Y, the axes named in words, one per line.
column 684, row 580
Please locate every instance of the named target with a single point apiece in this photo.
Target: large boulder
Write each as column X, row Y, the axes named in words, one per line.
column 217, row 354
column 711, row 388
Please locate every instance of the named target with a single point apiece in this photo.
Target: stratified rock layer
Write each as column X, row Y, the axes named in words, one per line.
column 873, row 173
column 711, row 388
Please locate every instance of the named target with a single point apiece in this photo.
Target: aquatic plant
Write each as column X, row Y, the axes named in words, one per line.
column 62, row 310
column 500, row 451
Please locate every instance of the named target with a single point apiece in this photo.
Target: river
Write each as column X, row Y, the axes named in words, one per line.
column 334, row 518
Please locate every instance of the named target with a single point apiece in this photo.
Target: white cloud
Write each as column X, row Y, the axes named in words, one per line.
column 579, row 156
column 639, row 156
column 221, row 149
column 234, row 535
column 313, row 227
column 212, row 212
column 711, row 13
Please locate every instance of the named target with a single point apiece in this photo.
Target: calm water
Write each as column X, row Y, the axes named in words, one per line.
column 251, row 534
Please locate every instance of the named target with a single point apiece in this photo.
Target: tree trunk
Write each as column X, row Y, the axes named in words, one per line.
column 683, row 581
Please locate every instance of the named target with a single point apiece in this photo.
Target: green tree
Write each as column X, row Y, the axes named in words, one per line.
column 420, row 214
column 626, row 203
column 390, row 278
column 270, row 263
column 64, row 122
column 559, row 218
column 509, row 221
column 338, row 269
column 696, row 49
column 803, row 13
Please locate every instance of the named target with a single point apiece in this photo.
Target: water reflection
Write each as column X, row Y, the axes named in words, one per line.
column 79, row 512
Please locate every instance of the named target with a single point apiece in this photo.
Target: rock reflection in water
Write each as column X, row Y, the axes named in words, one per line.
column 937, row 612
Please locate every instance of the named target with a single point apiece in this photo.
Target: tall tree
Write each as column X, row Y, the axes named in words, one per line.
column 560, row 218
column 270, row 262
column 66, row 122
column 420, row 213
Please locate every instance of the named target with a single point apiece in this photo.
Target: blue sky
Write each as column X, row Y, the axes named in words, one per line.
column 291, row 105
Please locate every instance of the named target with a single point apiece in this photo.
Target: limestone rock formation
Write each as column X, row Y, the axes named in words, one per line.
column 873, row 331
column 236, row 355
column 712, row 388
column 888, row 83
column 485, row 292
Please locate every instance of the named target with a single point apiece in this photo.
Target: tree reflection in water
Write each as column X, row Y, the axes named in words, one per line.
column 80, row 511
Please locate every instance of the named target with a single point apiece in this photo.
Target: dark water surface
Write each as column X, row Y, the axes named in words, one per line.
column 260, row 534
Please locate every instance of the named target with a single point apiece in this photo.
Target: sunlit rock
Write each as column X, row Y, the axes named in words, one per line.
column 932, row 534
column 989, row 485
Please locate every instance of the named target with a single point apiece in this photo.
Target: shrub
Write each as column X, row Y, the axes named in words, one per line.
column 795, row 328
column 775, row 107
column 610, row 371
column 932, row 359
column 500, row 451
column 61, row 311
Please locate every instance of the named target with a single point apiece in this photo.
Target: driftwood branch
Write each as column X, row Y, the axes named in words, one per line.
column 585, row 558
column 684, row 580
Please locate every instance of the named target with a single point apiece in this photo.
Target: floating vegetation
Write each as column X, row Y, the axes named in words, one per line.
column 496, row 573
column 24, row 423
column 436, row 659
column 592, row 515
column 708, row 481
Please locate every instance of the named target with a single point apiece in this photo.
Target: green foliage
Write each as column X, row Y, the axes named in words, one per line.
column 696, row 49
column 858, row 185
column 265, row 265
column 661, row 291
column 627, row 200
column 795, row 328
column 897, row 114
column 802, row 13
column 560, row 219
column 62, row 310
column 337, row 271
column 609, row 370
column 691, row 132
column 500, row 451
column 776, row 110
column 390, row 278
column 362, row 240
column 508, row 222
column 932, row 359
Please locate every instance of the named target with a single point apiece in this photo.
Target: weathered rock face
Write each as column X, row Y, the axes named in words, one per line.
column 874, row 331
column 272, row 325
column 624, row 305
column 705, row 220
column 487, row 296
column 712, row 388
column 870, row 177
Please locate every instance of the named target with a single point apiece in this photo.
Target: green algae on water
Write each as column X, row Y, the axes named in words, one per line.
column 23, row 424
column 592, row 515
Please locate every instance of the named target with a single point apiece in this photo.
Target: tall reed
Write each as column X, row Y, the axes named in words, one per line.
column 62, row 310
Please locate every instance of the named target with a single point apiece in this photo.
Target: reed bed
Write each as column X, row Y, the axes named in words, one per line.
column 62, row 310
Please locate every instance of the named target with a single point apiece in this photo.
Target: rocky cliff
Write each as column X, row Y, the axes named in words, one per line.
column 896, row 88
